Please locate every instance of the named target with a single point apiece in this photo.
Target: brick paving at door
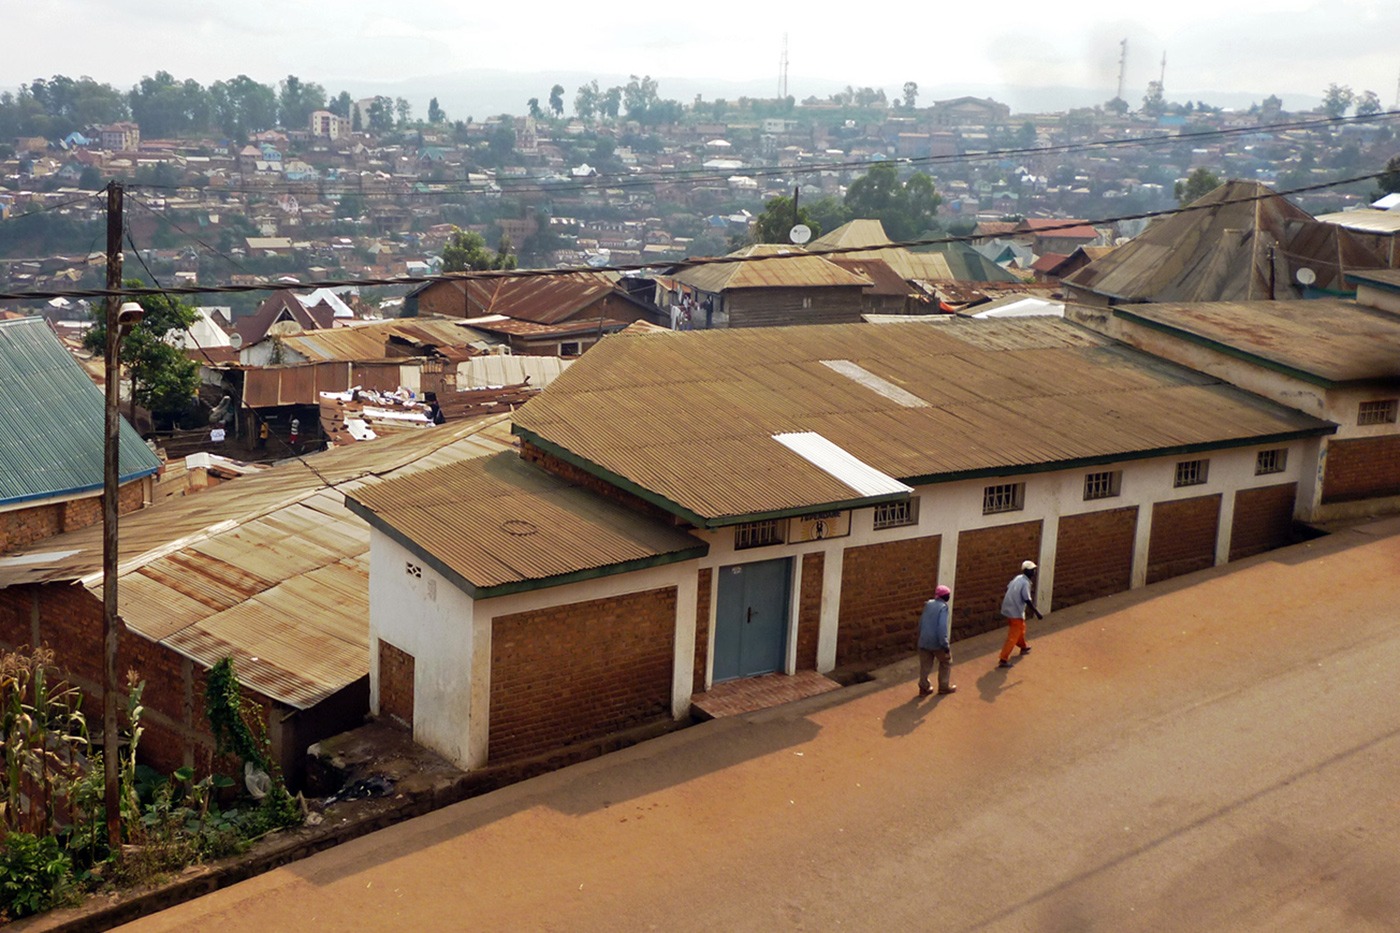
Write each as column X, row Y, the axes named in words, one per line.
column 754, row 693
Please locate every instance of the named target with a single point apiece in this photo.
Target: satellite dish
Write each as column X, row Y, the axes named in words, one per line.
column 800, row 234
column 235, row 340
column 1306, row 275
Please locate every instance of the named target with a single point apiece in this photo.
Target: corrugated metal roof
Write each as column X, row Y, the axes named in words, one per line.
column 500, row 523
column 507, row 370
column 1330, row 338
column 925, row 267
column 541, row 299
column 371, row 341
column 53, row 424
column 1366, row 220
column 687, row 417
column 1240, row 242
column 795, row 269
column 271, row 567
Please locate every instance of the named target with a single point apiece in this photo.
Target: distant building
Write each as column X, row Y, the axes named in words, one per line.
column 327, row 125
column 121, row 137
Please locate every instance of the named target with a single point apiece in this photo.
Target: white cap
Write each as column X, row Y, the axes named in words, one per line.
column 1027, row 565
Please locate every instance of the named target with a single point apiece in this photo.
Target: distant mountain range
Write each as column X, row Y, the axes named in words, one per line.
column 479, row 93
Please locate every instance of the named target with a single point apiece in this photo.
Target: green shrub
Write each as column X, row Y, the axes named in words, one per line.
column 35, row 874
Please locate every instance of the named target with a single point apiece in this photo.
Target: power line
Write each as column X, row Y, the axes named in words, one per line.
column 655, row 177
column 160, row 215
column 703, row 261
column 53, row 207
column 257, row 417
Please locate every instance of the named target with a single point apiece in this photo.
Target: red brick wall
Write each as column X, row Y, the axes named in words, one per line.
column 395, row 683
column 1362, row 468
column 883, row 588
column 176, row 731
column 987, row 560
column 1094, row 555
column 702, row 629
column 1263, row 519
column 576, row 672
column 22, row 527
column 1183, row 537
column 809, row 610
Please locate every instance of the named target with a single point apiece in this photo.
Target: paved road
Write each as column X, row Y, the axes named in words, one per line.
column 1219, row 753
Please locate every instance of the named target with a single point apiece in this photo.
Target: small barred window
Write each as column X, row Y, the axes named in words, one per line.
column 1104, row 485
column 1191, row 472
column 1006, row 497
column 1271, row 461
column 897, row 514
column 758, row 534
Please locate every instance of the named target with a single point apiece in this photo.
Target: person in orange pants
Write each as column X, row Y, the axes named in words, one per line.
column 1013, row 608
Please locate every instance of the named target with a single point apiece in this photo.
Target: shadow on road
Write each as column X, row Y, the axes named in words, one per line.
column 993, row 683
column 906, row 717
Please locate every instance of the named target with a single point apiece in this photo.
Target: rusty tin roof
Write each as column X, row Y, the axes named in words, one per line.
column 687, row 420
column 500, row 525
column 1327, row 340
column 270, row 569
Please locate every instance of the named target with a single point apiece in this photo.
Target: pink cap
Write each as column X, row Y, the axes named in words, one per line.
column 941, row 592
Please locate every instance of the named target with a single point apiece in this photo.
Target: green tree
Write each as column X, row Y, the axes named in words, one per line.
column 1389, row 181
column 638, row 96
column 1117, row 105
column 1337, row 100
column 298, row 100
column 587, row 100
column 381, row 114
column 341, row 105
column 906, row 209
column 403, row 110
column 534, row 106
column 611, row 102
column 242, row 106
column 777, row 219
column 1367, row 104
column 466, row 250
column 1154, row 102
column 163, row 379
column 911, row 94
column 1198, row 184
column 435, row 114
column 556, row 100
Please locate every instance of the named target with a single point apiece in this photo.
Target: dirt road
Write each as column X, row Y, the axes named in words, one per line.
column 1218, row 755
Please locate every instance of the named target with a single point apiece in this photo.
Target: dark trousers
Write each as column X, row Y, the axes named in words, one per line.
column 944, row 659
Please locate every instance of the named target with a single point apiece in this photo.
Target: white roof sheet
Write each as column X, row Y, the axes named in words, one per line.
column 843, row 465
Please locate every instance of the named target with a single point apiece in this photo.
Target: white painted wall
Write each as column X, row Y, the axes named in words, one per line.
column 431, row 619
column 449, row 634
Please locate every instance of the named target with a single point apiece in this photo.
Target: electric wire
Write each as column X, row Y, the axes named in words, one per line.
column 641, row 267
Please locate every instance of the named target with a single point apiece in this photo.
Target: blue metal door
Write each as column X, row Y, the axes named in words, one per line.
column 751, row 618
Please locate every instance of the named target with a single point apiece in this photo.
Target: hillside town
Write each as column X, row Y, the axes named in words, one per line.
column 711, row 392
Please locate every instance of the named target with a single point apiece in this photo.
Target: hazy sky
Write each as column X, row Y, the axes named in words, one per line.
column 1247, row 46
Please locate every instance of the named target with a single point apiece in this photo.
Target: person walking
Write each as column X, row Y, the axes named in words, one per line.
column 1013, row 608
column 934, row 632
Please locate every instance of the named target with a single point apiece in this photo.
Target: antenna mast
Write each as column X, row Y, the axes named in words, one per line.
column 1163, row 79
column 783, row 70
column 1122, row 64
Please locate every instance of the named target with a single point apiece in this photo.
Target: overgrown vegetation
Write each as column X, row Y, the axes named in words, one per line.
column 52, row 814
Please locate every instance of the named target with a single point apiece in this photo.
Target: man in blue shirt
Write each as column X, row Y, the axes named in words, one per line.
column 934, row 632
column 1013, row 608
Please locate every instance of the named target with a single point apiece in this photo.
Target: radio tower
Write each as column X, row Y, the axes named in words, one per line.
column 1163, row 79
column 1122, row 64
column 783, row 70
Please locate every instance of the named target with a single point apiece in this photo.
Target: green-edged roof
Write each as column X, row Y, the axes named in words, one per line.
column 52, row 421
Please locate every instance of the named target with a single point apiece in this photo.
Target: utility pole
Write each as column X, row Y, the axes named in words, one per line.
column 111, row 623
column 796, row 217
